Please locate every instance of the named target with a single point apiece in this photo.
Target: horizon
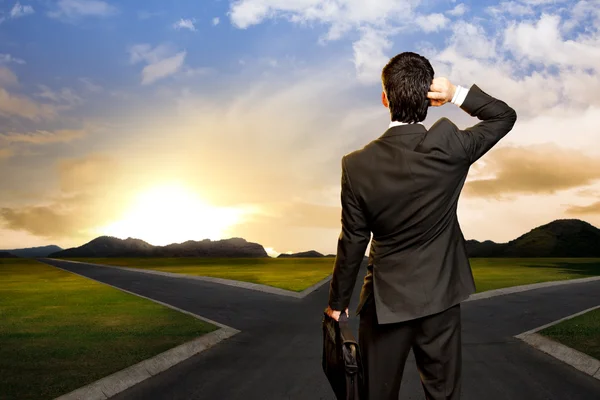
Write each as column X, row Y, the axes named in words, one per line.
column 169, row 123
column 275, row 255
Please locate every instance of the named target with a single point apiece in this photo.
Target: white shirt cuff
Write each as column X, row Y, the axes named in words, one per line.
column 460, row 95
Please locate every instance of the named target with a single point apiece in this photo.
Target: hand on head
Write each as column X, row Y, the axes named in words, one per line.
column 441, row 92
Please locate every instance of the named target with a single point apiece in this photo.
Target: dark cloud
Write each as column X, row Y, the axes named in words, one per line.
column 593, row 208
column 83, row 202
column 540, row 169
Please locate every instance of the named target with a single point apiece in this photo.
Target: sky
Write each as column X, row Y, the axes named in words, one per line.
column 187, row 120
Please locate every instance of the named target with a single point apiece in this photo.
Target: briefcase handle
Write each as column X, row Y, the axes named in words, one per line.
column 346, row 332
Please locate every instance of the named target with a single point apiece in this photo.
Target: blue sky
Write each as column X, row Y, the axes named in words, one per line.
column 248, row 106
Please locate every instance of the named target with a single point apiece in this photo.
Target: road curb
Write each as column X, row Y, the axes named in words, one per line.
column 122, row 380
column 523, row 288
column 581, row 361
column 574, row 358
column 222, row 281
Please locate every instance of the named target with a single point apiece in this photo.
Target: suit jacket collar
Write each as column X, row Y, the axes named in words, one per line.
column 404, row 130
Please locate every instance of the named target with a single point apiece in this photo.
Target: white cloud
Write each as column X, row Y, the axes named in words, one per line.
column 556, row 96
column 432, row 22
column 376, row 20
column 160, row 60
column 369, row 54
column 472, row 41
column 185, row 24
column 82, row 8
column 459, row 10
column 339, row 15
column 19, row 10
column 215, row 21
column 511, row 8
column 145, row 52
column 542, row 2
column 65, row 98
column 163, row 68
column 542, row 43
column 7, row 58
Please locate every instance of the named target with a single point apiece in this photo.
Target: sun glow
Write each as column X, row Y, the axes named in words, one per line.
column 173, row 214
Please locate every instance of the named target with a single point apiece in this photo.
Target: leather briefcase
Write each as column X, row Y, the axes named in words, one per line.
column 341, row 359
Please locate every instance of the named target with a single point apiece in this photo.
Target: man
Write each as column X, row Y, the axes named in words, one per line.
column 404, row 187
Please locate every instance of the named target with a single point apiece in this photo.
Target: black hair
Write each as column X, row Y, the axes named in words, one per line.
column 406, row 80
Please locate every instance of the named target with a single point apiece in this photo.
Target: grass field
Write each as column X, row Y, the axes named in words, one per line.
column 299, row 273
column 294, row 274
column 59, row 331
column 580, row 333
column 497, row 273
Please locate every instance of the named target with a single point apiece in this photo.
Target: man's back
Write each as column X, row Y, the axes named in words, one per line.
column 408, row 182
column 403, row 188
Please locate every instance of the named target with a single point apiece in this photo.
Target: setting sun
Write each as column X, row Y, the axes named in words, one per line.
column 173, row 214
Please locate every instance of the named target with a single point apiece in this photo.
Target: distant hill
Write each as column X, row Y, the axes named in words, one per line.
column 307, row 254
column 5, row 254
column 560, row 238
column 107, row 246
column 34, row 252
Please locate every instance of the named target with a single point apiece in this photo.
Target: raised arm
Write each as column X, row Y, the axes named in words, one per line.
column 497, row 119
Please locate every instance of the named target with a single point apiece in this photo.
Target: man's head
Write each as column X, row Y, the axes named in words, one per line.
column 406, row 80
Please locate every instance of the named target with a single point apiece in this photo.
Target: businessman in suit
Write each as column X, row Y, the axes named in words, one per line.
column 403, row 187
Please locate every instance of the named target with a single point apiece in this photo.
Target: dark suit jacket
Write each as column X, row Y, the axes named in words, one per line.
column 404, row 187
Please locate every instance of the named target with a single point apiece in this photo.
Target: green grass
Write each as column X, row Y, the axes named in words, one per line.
column 298, row 274
column 580, row 333
column 497, row 273
column 60, row 331
column 294, row 274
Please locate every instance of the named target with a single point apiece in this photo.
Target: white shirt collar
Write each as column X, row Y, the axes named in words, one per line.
column 396, row 123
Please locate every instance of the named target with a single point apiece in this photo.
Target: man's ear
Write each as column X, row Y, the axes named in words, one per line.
column 384, row 100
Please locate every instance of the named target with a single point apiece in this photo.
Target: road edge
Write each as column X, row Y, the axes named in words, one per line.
column 229, row 282
column 532, row 286
column 120, row 381
column 578, row 360
column 300, row 295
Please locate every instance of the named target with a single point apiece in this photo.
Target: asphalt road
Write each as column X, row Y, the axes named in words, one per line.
column 278, row 353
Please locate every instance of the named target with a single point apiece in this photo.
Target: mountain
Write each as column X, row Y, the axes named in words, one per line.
column 6, row 254
column 34, row 252
column 233, row 247
column 560, row 238
column 307, row 254
column 108, row 246
column 484, row 249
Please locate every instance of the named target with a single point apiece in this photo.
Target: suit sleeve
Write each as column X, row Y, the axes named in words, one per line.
column 352, row 244
column 497, row 120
